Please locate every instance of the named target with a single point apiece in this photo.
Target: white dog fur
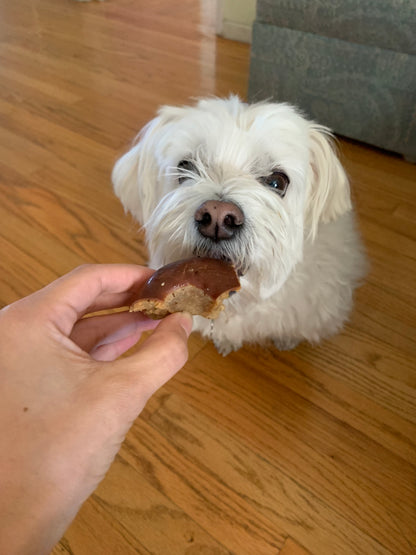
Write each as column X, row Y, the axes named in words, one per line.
column 300, row 255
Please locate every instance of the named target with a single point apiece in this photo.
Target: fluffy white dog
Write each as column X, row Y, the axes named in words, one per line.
column 258, row 185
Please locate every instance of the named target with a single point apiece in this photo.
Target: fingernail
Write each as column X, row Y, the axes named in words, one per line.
column 186, row 322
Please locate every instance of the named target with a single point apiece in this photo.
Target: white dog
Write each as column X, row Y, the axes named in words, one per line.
column 258, row 185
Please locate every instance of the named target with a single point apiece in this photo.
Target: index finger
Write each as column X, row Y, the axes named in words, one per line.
column 87, row 289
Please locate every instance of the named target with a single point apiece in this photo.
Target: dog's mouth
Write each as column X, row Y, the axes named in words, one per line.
column 239, row 265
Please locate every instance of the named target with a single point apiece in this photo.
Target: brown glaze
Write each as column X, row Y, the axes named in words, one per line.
column 213, row 278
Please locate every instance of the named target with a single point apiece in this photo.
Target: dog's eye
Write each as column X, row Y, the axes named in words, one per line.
column 185, row 167
column 278, row 181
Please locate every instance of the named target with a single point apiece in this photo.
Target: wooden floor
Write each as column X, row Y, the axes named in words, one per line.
column 258, row 453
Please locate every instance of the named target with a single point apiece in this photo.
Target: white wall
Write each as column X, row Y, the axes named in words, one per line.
column 235, row 19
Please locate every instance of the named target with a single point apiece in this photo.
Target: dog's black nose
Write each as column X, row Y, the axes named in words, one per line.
column 218, row 220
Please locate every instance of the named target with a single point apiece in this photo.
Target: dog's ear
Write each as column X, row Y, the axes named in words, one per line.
column 328, row 188
column 135, row 174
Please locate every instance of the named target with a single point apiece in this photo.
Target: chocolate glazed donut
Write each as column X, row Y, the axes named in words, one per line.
column 196, row 285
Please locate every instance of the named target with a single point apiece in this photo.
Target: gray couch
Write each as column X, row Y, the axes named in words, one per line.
column 349, row 64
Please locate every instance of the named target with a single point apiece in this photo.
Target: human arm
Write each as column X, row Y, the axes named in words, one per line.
column 67, row 403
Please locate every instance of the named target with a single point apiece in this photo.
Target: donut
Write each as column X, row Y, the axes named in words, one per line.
column 197, row 285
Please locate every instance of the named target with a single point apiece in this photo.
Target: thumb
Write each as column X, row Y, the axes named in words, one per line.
column 160, row 356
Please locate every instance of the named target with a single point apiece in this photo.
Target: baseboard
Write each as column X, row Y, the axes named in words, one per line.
column 236, row 31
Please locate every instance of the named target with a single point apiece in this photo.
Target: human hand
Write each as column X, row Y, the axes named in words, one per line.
column 66, row 403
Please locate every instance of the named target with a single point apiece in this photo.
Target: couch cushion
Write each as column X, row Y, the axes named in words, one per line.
column 359, row 91
column 389, row 24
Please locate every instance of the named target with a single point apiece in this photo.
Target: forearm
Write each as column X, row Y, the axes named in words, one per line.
column 31, row 523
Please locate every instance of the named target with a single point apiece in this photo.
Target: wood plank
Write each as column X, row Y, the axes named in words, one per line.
column 210, row 456
column 87, row 539
column 322, row 452
column 150, row 515
column 292, row 548
column 229, row 518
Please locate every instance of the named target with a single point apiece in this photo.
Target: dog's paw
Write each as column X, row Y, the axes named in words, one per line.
column 286, row 344
column 225, row 347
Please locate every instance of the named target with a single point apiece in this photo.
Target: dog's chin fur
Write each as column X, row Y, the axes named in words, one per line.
column 300, row 256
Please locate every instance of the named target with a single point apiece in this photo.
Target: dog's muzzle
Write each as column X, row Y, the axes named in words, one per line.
column 218, row 220
column 219, row 224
